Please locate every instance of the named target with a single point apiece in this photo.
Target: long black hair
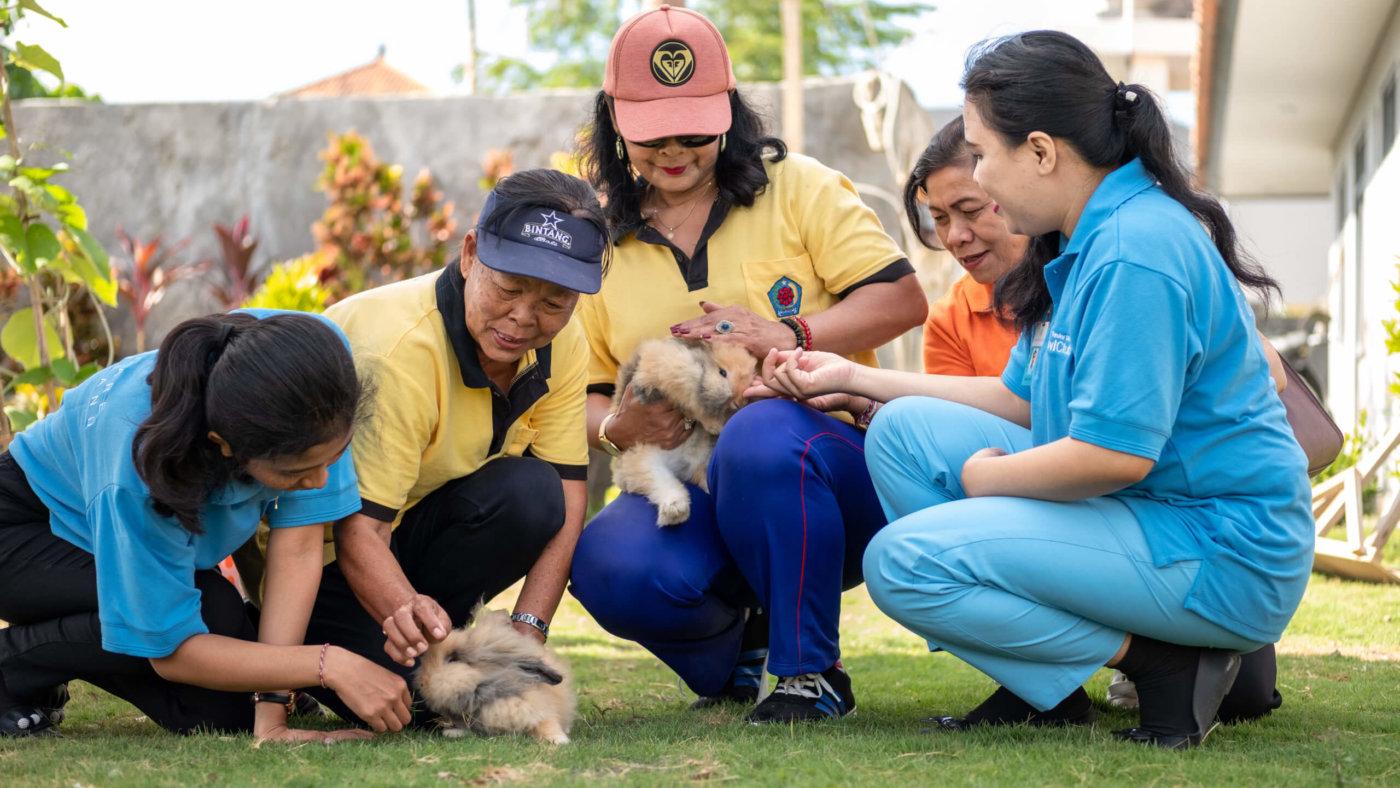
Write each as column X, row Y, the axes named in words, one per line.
column 739, row 172
column 552, row 189
column 1051, row 82
column 274, row 387
column 948, row 148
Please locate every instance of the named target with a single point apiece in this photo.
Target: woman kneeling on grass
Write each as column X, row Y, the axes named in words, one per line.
column 116, row 509
column 1128, row 492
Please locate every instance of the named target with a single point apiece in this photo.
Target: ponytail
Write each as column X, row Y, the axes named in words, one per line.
column 1050, row 81
column 274, row 387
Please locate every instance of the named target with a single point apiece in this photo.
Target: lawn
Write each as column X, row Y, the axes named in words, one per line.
column 1340, row 723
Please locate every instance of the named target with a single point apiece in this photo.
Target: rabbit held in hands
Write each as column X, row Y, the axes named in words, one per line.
column 705, row 381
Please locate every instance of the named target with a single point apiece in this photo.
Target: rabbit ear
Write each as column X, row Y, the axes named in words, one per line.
column 541, row 672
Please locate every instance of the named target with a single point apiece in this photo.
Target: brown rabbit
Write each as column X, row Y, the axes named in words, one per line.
column 705, row 381
column 489, row 679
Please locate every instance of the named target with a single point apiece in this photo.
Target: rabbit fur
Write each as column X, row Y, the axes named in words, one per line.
column 489, row 679
column 705, row 381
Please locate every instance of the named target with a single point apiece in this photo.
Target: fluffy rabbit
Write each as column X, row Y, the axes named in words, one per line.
column 487, row 678
column 705, row 381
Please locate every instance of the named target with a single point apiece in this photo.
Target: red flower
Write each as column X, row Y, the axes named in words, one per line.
column 785, row 296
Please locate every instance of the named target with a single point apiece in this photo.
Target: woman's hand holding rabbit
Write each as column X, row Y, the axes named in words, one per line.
column 657, row 423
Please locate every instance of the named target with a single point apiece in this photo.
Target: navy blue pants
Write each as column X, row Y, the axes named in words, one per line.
column 789, row 513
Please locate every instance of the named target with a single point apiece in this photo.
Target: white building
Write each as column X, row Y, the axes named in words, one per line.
column 1296, row 122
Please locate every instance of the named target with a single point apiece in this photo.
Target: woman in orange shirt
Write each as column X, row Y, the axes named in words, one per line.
column 963, row 335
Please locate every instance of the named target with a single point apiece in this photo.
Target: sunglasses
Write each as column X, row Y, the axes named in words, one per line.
column 686, row 142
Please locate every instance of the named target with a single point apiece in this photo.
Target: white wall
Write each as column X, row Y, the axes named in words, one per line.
column 1365, row 253
column 1289, row 236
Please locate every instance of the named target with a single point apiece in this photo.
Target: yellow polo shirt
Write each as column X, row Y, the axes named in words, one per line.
column 435, row 415
column 806, row 242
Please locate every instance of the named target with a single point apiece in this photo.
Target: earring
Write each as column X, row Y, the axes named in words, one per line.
column 621, row 151
column 723, row 139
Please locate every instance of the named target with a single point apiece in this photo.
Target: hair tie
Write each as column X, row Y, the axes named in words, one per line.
column 1125, row 100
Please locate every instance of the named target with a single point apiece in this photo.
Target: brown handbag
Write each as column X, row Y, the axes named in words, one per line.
column 1313, row 428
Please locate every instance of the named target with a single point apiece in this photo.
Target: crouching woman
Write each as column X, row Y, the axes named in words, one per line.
column 116, row 509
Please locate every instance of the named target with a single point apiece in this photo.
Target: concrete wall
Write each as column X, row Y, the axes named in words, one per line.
column 175, row 169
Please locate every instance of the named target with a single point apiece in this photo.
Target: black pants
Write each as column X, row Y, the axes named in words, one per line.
column 466, row 542
column 48, row 594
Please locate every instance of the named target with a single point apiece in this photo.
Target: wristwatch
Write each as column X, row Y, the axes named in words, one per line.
column 607, row 445
column 534, row 621
column 287, row 699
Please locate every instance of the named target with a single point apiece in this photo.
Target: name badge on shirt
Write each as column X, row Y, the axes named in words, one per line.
column 1037, row 342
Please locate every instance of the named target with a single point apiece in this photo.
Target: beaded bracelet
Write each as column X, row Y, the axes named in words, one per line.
column 800, row 330
column 865, row 417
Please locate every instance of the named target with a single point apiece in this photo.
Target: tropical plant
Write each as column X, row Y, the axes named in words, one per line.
column 53, row 260
column 236, row 248
column 153, row 270
column 367, row 233
column 296, row 284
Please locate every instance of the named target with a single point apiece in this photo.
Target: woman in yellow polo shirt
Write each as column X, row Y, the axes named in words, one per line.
column 720, row 233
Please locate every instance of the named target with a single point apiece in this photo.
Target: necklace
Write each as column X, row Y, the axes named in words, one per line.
column 670, row 231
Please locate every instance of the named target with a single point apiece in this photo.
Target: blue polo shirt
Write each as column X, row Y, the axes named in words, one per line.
column 78, row 461
column 1150, row 350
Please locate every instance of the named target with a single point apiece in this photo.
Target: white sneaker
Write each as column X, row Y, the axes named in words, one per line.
column 1122, row 692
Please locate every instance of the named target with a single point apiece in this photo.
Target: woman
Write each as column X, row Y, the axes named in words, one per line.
column 963, row 336
column 1128, row 492
column 116, row 509
column 720, row 233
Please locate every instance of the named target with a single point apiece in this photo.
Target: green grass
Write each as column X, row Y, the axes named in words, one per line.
column 1340, row 723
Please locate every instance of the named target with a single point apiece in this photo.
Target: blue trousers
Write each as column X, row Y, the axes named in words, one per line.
column 1036, row 594
column 788, row 516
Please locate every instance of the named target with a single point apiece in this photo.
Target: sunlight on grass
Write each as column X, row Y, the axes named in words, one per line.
column 1339, row 670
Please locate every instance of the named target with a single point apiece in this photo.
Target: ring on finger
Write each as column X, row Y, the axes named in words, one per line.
column 724, row 327
column 689, row 424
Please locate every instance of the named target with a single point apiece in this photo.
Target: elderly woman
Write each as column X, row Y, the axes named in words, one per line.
column 721, row 233
column 472, row 462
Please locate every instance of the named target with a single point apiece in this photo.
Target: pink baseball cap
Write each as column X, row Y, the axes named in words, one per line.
column 669, row 75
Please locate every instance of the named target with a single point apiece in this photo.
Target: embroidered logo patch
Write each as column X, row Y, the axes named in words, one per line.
column 786, row 297
column 547, row 231
column 672, row 63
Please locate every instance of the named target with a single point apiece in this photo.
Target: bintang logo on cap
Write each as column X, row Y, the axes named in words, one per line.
column 546, row 231
column 672, row 63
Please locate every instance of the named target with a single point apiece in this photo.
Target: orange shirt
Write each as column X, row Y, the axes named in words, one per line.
column 962, row 336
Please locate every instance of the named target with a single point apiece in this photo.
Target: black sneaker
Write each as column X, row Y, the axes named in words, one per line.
column 22, row 721
column 811, row 696
column 52, row 704
column 743, row 682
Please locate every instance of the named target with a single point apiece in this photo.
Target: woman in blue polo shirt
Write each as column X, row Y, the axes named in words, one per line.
column 116, row 509
column 1128, row 493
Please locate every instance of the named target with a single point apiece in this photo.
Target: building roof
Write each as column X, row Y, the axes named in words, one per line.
column 1275, row 83
column 375, row 78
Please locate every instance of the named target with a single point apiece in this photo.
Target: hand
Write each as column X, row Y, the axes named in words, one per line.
column 377, row 696
column 974, row 468
column 757, row 335
column 281, row 733
column 803, row 375
column 412, row 626
column 655, row 423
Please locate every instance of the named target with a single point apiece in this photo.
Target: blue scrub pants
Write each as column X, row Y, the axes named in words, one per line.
column 788, row 516
column 1036, row 594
